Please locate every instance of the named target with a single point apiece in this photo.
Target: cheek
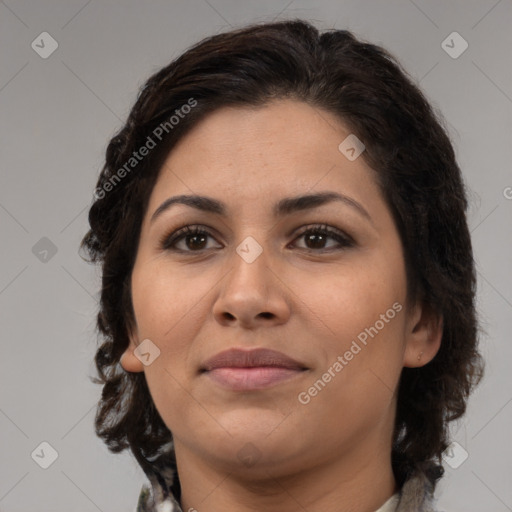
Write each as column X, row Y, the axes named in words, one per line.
column 352, row 297
column 166, row 301
column 360, row 311
column 168, row 311
column 352, row 386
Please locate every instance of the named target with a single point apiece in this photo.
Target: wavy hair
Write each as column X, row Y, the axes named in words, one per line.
column 409, row 149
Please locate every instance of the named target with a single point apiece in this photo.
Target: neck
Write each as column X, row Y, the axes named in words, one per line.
column 358, row 481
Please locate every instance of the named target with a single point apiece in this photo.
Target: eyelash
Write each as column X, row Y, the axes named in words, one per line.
column 168, row 240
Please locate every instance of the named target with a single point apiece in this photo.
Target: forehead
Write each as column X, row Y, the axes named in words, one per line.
column 257, row 154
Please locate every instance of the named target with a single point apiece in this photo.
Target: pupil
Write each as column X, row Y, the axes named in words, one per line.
column 195, row 237
column 312, row 237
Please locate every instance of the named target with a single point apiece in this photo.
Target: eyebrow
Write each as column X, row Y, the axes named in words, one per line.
column 282, row 208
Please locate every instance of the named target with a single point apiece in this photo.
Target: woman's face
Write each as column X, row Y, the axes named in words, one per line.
column 261, row 277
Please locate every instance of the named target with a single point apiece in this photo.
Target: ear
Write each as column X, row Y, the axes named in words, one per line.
column 129, row 361
column 424, row 331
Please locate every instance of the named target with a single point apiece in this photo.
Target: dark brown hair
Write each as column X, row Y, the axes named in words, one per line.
column 415, row 166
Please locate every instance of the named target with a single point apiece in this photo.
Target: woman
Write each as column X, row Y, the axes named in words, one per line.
column 288, row 289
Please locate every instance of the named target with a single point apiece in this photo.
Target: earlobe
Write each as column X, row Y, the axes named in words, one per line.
column 129, row 361
column 423, row 337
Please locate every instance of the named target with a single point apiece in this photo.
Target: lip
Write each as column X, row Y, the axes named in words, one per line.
column 240, row 358
column 243, row 370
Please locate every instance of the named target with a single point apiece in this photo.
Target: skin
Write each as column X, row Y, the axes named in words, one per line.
column 333, row 453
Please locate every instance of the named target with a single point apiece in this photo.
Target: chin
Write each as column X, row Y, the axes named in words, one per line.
column 255, row 423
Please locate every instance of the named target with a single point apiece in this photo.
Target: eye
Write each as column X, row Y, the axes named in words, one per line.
column 195, row 239
column 316, row 237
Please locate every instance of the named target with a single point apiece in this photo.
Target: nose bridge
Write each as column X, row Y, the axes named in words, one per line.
column 250, row 264
column 250, row 290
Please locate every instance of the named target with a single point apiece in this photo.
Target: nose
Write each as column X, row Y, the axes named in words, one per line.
column 252, row 294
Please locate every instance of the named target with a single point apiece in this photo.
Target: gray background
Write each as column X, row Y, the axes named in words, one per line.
column 57, row 115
